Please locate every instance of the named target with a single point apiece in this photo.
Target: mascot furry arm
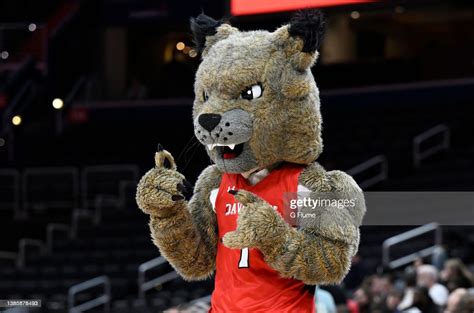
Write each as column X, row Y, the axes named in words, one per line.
column 256, row 108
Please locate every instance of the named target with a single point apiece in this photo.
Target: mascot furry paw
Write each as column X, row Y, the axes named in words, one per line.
column 257, row 113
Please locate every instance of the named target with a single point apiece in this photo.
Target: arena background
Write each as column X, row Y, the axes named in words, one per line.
column 88, row 88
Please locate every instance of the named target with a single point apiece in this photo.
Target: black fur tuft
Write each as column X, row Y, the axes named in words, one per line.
column 309, row 25
column 202, row 26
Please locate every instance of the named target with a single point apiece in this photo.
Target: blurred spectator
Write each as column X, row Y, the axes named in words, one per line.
column 324, row 301
column 410, row 285
column 456, row 275
column 454, row 299
column 381, row 286
column 352, row 307
column 422, row 302
column 356, row 275
column 439, row 257
column 427, row 276
column 418, row 262
column 393, row 300
column 466, row 303
column 339, row 297
column 363, row 298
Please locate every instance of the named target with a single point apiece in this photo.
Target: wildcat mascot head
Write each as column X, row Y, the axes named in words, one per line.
column 257, row 103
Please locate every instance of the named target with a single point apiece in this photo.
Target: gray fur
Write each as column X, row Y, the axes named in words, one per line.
column 235, row 127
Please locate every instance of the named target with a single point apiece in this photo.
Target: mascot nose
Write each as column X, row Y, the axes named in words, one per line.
column 208, row 120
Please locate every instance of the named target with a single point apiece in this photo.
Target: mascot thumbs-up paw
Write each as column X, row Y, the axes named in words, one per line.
column 257, row 114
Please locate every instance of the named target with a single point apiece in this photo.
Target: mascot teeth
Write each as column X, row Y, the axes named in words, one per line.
column 212, row 146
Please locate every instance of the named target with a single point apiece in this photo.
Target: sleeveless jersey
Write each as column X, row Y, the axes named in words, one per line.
column 243, row 281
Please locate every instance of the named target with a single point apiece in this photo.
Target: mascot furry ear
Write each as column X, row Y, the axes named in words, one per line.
column 206, row 31
column 309, row 26
column 256, row 111
column 302, row 37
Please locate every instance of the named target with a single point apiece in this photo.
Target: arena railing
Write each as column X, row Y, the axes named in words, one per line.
column 71, row 172
column 103, row 299
column 23, row 245
column 15, row 175
column 99, row 204
column 47, row 248
column 419, row 155
column 59, row 120
column 131, row 169
column 123, row 192
column 144, row 285
column 379, row 160
column 53, row 228
column 77, row 215
column 118, row 202
column 404, row 238
column 11, row 256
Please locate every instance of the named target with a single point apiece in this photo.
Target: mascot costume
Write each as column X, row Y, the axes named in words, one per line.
column 257, row 114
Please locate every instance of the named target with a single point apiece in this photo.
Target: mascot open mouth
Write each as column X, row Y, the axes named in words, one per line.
column 228, row 152
column 232, row 158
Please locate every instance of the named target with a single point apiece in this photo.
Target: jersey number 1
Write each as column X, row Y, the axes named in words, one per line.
column 244, row 258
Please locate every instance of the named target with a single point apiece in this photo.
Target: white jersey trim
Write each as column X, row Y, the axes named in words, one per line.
column 213, row 197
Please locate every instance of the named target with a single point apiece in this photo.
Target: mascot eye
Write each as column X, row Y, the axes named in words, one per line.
column 252, row 92
column 205, row 96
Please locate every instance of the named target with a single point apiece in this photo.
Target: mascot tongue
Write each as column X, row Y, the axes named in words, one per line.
column 230, row 155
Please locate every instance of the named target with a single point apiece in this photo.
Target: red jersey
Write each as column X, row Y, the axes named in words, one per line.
column 243, row 281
